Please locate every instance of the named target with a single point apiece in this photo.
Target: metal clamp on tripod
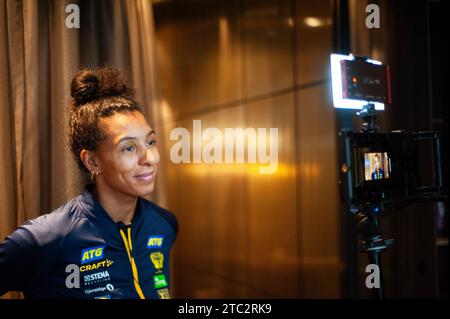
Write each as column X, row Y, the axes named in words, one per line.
column 367, row 226
column 368, row 115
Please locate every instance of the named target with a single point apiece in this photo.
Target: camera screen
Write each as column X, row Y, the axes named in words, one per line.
column 376, row 166
column 365, row 81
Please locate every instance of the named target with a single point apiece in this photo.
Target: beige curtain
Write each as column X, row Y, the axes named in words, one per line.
column 38, row 57
column 142, row 48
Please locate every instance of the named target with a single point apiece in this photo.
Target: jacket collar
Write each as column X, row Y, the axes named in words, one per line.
column 94, row 210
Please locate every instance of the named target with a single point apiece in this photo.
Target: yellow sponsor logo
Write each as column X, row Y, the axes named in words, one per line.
column 91, row 254
column 163, row 293
column 157, row 259
column 101, row 264
column 155, row 241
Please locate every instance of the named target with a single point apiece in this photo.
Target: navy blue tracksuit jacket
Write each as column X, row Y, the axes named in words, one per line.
column 77, row 251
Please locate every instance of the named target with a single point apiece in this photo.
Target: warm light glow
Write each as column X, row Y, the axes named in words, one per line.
column 251, row 169
column 290, row 22
column 314, row 22
column 309, row 170
column 166, row 111
column 223, row 29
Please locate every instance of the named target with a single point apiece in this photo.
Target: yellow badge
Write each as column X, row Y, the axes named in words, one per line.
column 157, row 259
column 163, row 293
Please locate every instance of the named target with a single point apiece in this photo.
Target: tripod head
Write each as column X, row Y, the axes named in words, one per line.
column 368, row 115
column 367, row 225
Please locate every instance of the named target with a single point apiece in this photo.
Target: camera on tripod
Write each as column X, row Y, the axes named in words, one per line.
column 380, row 168
column 380, row 172
column 383, row 169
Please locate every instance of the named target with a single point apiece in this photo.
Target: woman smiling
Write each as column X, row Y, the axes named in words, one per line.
column 109, row 242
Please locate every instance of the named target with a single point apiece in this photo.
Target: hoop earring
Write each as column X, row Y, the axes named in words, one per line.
column 94, row 174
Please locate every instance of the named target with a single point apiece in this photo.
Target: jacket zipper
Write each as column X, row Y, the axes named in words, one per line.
column 126, row 237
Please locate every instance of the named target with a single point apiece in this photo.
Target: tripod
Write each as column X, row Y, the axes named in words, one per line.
column 367, row 225
column 373, row 193
column 366, row 220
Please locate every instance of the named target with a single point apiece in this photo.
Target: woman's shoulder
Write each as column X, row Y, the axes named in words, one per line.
column 165, row 214
column 47, row 229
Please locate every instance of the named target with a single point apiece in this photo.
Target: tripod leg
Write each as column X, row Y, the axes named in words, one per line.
column 375, row 259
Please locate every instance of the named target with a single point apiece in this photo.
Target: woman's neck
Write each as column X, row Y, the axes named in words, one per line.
column 119, row 206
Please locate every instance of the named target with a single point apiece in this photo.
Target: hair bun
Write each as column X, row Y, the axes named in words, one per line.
column 89, row 85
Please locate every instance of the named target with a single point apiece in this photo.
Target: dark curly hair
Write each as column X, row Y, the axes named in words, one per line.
column 96, row 94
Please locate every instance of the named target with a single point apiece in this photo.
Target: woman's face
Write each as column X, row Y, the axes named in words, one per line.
column 128, row 157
